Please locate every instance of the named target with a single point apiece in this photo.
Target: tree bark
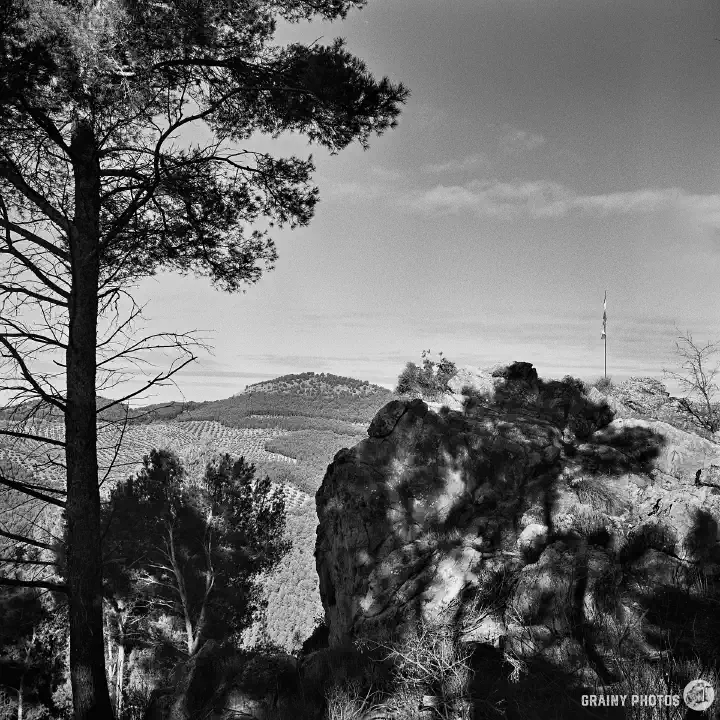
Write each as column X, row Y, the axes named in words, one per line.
column 119, row 673
column 182, row 591
column 91, row 699
column 209, row 583
column 21, row 697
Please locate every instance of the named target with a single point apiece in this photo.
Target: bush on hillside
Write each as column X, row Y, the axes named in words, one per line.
column 429, row 381
column 603, row 384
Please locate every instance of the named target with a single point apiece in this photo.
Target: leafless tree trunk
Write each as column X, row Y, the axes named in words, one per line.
column 182, row 591
column 119, row 677
column 62, row 293
column 20, row 696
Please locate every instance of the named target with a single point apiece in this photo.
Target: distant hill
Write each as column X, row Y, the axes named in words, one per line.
column 309, row 394
column 310, row 382
column 322, row 397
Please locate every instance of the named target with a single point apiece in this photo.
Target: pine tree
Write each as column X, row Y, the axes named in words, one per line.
column 96, row 193
column 194, row 551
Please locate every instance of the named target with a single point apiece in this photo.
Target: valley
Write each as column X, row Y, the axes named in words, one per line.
column 289, row 428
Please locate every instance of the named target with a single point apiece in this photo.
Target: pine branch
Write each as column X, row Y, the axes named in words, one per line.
column 44, row 584
column 30, row 436
column 23, row 488
column 9, row 171
column 32, row 381
column 27, row 541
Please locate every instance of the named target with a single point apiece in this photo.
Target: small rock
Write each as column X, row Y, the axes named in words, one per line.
column 533, row 539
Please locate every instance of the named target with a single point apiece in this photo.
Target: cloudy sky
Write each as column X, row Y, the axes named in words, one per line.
column 549, row 151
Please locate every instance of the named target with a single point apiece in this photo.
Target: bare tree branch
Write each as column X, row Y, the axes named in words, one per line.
column 160, row 377
column 29, row 293
column 33, row 238
column 698, row 379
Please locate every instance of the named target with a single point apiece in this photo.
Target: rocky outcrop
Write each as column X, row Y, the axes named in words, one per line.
column 647, row 398
column 641, row 396
column 487, row 384
column 386, row 505
column 526, row 519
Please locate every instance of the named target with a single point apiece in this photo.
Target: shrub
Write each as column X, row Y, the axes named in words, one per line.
column 603, row 384
column 429, row 660
column 408, row 380
column 599, row 494
column 429, row 381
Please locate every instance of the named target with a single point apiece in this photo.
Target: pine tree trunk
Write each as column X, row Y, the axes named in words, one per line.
column 91, row 699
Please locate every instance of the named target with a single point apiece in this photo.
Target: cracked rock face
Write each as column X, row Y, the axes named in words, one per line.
column 645, row 398
column 392, row 510
column 519, row 521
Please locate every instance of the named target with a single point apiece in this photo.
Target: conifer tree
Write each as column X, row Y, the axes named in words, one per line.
column 193, row 551
column 98, row 189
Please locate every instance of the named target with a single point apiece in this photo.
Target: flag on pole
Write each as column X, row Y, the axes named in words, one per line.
column 604, row 330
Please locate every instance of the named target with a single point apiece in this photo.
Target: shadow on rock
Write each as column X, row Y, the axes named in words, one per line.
column 529, row 524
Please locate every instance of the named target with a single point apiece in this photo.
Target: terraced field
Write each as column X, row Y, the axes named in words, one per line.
column 120, row 452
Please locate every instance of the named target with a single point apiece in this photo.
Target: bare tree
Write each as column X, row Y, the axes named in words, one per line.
column 697, row 379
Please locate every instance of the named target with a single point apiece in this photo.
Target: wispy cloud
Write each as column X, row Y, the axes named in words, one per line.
column 514, row 141
column 386, row 174
column 466, row 163
column 356, row 190
column 545, row 199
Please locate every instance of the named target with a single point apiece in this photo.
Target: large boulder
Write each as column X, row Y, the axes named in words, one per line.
column 435, row 513
column 517, row 380
column 476, row 380
column 647, row 398
column 388, row 505
column 468, row 381
column 641, row 396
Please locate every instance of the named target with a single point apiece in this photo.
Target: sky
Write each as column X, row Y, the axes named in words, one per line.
column 549, row 152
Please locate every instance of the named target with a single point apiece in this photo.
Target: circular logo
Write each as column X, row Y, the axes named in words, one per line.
column 699, row 695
